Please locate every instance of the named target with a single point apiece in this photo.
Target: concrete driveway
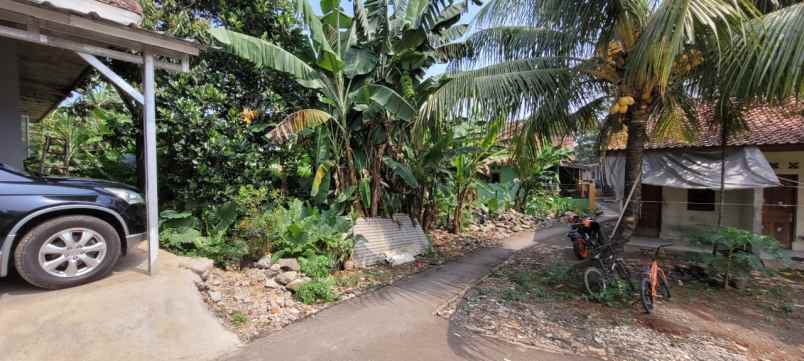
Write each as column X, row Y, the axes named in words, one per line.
column 126, row 316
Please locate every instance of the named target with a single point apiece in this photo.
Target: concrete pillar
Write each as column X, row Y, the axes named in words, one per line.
column 759, row 199
column 12, row 146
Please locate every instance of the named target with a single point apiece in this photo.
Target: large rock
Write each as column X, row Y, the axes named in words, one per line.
column 272, row 284
column 289, row 264
column 199, row 266
column 264, row 262
column 215, row 296
column 287, row 277
column 294, row 286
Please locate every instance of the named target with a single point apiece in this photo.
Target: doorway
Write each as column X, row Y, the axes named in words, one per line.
column 650, row 220
column 779, row 211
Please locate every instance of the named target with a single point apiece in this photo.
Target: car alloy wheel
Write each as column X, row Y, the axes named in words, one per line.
column 72, row 252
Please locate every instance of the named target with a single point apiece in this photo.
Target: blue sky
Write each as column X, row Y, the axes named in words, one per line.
column 435, row 69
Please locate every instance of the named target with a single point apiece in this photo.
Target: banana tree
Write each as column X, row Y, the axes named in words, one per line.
column 336, row 67
column 557, row 64
column 479, row 149
column 408, row 37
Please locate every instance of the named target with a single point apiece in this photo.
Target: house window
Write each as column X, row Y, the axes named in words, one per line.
column 700, row 200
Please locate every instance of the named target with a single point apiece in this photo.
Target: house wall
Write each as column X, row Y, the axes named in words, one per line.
column 678, row 221
column 783, row 159
column 12, row 148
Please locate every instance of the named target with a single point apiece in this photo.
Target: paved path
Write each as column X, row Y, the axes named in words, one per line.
column 398, row 322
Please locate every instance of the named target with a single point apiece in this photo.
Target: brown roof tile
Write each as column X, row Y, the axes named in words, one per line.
column 767, row 125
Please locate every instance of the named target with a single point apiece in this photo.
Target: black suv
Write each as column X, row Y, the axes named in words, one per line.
column 63, row 232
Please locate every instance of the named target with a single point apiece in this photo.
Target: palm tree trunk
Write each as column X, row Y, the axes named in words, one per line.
column 637, row 137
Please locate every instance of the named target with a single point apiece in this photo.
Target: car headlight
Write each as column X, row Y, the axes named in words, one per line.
column 130, row 197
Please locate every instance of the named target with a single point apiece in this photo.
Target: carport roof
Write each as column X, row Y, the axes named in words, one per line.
column 49, row 33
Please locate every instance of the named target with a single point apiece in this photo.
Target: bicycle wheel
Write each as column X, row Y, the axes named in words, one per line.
column 664, row 285
column 595, row 280
column 645, row 296
column 622, row 271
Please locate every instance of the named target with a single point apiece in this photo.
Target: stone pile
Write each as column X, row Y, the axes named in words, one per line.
column 261, row 295
column 510, row 221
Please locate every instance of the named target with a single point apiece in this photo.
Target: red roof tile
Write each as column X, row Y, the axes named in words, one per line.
column 767, row 125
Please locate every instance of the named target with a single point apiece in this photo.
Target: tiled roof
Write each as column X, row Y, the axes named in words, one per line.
column 767, row 125
column 130, row 5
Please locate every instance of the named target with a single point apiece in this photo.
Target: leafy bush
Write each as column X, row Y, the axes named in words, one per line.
column 317, row 290
column 546, row 204
column 181, row 232
column 496, row 197
column 615, row 294
column 316, row 266
column 299, row 231
column 738, row 251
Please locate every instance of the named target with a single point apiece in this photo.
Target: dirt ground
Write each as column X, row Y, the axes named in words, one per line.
column 527, row 301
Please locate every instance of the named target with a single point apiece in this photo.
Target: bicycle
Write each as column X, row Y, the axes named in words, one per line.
column 597, row 278
column 653, row 277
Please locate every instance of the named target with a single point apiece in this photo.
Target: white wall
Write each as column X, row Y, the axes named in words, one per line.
column 784, row 159
column 678, row 221
column 12, row 148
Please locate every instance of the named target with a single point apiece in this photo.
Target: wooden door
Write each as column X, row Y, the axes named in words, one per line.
column 650, row 221
column 779, row 211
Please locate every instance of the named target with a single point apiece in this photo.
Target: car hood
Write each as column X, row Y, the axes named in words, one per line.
column 88, row 183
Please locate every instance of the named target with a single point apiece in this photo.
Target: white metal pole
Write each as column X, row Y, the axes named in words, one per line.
column 151, row 201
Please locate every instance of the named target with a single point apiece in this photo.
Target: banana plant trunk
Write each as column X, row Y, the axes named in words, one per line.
column 376, row 180
column 637, row 137
column 457, row 215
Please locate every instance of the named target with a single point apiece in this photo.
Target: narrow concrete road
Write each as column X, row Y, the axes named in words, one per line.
column 398, row 322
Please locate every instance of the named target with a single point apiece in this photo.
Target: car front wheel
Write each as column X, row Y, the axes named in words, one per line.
column 67, row 251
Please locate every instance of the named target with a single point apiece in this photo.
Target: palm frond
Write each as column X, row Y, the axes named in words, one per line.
column 296, row 122
column 512, row 90
column 769, row 61
column 506, row 43
column 674, row 24
column 265, row 54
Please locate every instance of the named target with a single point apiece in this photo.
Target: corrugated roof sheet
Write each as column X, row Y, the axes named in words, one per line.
column 130, row 5
column 767, row 125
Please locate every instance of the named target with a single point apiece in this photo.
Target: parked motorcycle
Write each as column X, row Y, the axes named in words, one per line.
column 585, row 236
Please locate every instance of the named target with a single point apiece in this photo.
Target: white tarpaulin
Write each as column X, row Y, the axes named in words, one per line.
column 746, row 167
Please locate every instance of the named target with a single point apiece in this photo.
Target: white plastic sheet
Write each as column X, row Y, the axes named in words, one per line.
column 746, row 167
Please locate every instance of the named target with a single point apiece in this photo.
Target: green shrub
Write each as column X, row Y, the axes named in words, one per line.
column 299, row 231
column 615, row 294
column 316, row 266
column 180, row 232
column 317, row 290
column 738, row 251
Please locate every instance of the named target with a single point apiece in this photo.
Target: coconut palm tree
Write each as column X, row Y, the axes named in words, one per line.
column 558, row 64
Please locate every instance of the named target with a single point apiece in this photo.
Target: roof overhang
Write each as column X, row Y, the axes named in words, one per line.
column 49, row 39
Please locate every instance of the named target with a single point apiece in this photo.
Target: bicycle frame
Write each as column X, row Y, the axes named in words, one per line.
column 653, row 272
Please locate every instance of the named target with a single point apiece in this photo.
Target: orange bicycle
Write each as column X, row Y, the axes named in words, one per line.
column 653, row 280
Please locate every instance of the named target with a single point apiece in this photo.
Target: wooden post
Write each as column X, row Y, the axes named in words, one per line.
column 151, row 200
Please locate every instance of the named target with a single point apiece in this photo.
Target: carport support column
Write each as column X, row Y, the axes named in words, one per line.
column 149, row 125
